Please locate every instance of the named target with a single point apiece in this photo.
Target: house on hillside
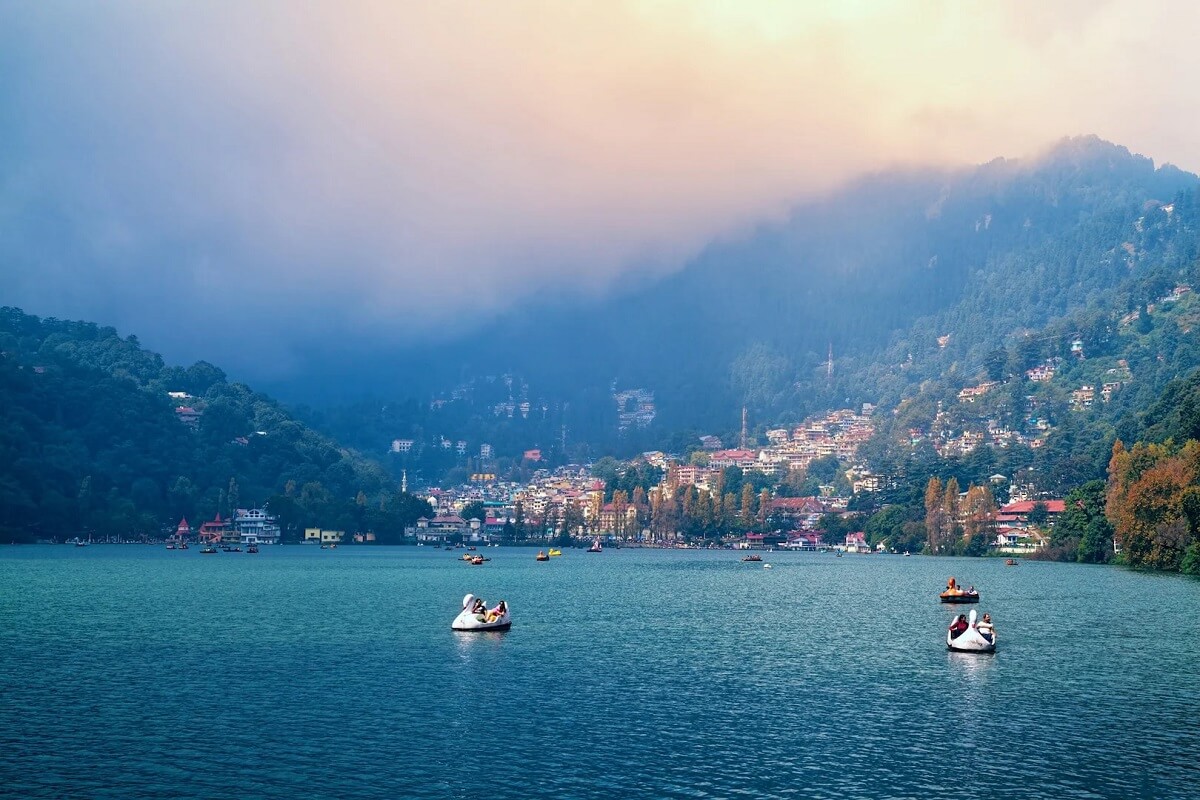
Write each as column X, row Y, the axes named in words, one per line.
column 1017, row 514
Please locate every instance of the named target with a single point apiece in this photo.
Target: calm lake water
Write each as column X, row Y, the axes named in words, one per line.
column 131, row 671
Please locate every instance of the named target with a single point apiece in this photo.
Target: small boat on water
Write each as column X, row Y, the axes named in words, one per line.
column 596, row 546
column 207, row 550
column 974, row 638
column 477, row 560
column 171, row 546
column 541, row 556
column 475, row 616
column 766, row 566
column 956, row 594
column 752, row 557
column 252, row 548
column 1010, row 562
column 554, row 551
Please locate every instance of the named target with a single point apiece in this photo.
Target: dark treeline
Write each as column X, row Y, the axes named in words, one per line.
column 91, row 444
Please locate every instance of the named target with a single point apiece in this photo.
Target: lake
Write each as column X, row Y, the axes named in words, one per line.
column 132, row 671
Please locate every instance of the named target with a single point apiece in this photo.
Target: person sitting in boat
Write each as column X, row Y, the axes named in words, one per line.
column 971, row 590
column 497, row 612
column 985, row 628
column 952, row 587
column 480, row 607
column 959, row 626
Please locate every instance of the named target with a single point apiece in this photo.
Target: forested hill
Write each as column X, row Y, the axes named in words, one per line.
column 906, row 276
column 92, row 442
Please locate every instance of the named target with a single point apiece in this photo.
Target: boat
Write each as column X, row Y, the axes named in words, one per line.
column 956, row 594
column 971, row 640
column 207, row 549
column 554, row 551
column 473, row 618
column 472, row 547
column 541, row 556
column 596, row 546
column 183, row 546
column 1010, row 562
column 170, row 546
column 477, row 560
column 752, row 557
column 766, row 566
column 252, row 548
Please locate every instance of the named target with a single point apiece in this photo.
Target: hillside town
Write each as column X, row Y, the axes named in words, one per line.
column 572, row 503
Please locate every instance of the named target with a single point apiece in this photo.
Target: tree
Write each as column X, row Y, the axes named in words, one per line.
column 995, row 362
column 474, row 510
column 936, row 520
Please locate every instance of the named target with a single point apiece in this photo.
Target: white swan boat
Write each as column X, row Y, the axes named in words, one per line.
column 972, row 639
column 471, row 620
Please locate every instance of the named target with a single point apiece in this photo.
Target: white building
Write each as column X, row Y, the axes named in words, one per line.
column 255, row 526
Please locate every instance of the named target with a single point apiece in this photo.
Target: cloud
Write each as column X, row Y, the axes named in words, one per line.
column 215, row 174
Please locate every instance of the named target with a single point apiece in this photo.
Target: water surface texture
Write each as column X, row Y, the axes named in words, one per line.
column 131, row 671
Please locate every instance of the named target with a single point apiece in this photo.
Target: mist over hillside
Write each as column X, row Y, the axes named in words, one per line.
column 875, row 273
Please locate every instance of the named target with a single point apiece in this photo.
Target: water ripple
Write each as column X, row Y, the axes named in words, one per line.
column 132, row 672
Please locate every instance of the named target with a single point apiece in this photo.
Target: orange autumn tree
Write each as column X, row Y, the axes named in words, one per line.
column 1153, row 503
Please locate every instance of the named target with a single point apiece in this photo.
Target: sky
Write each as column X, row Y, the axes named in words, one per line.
column 238, row 181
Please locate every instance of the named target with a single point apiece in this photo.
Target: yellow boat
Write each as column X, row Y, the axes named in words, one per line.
column 554, row 551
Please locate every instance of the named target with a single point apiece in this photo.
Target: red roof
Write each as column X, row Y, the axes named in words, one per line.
column 736, row 455
column 797, row 504
column 1024, row 507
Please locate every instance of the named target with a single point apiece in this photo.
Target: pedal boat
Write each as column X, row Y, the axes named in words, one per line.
column 971, row 640
column 466, row 621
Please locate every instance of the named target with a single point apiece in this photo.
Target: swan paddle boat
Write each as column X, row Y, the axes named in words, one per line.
column 956, row 594
column 972, row 639
column 475, row 616
column 554, row 551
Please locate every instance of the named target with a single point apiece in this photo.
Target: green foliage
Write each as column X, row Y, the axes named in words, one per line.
column 90, row 443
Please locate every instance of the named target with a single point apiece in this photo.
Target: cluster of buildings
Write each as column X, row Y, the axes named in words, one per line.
column 1015, row 533
column 635, row 408
column 248, row 526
